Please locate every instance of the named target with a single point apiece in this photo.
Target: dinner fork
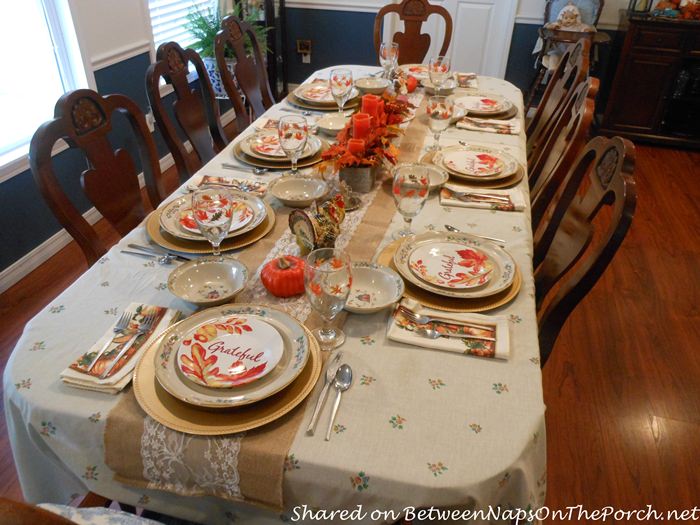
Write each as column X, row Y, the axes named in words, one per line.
column 121, row 325
column 144, row 327
column 454, row 229
column 330, row 375
column 426, row 319
column 434, row 334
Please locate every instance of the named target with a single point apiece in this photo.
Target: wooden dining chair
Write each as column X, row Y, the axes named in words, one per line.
column 413, row 45
column 249, row 75
column 195, row 108
column 580, row 240
column 568, row 139
column 83, row 119
column 571, row 72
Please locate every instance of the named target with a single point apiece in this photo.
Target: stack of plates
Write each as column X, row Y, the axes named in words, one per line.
column 318, row 96
column 263, row 150
column 481, row 164
column 173, row 226
column 418, row 71
column 486, row 105
column 454, row 271
column 256, row 361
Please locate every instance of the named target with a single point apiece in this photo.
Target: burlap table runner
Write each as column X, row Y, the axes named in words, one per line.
column 261, row 453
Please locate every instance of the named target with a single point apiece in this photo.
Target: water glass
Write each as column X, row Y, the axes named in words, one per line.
column 410, row 188
column 440, row 110
column 439, row 72
column 341, row 86
column 389, row 57
column 212, row 209
column 293, row 133
column 327, row 281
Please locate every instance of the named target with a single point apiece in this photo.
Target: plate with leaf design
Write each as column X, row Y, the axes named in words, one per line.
column 292, row 359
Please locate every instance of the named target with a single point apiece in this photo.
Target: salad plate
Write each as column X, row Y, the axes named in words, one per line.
column 419, row 71
column 484, row 104
column 291, row 346
column 500, row 275
column 177, row 220
column 266, row 146
column 319, row 93
column 474, row 162
column 451, row 264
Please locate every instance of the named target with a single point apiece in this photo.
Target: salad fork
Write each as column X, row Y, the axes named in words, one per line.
column 434, row 334
column 144, row 327
column 119, row 328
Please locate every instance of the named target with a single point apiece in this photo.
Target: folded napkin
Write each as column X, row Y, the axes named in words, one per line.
column 76, row 374
column 250, row 186
column 503, row 127
column 403, row 330
column 466, row 80
column 486, row 199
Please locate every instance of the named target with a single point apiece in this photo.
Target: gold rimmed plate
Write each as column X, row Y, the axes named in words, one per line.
column 274, row 163
column 507, row 182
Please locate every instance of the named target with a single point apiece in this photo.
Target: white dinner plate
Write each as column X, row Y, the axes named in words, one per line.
column 176, row 209
column 465, row 162
column 484, row 104
column 294, row 356
column 501, row 275
column 266, row 146
column 319, row 93
column 455, row 265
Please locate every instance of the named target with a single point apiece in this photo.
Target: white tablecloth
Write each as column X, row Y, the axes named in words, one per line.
column 418, row 428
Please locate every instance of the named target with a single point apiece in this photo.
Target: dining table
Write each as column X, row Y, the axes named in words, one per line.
column 418, row 429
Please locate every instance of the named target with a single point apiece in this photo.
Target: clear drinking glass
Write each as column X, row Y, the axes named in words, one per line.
column 327, row 281
column 410, row 189
column 439, row 71
column 213, row 210
column 293, row 132
column 389, row 57
column 440, row 111
column 341, row 87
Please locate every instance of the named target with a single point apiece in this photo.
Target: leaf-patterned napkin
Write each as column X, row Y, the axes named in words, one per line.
column 403, row 330
column 77, row 374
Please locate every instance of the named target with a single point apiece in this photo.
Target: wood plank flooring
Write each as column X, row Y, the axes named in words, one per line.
column 623, row 384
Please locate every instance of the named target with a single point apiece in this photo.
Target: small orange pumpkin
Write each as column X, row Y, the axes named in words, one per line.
column 284, row 276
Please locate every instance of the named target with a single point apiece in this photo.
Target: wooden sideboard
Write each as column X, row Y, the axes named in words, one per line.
column 655, row 95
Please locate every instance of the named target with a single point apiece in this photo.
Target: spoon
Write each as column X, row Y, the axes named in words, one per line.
column 434, row 334
column 163, row 260
column 343, row 380
column 331, row 371
column 457, row 230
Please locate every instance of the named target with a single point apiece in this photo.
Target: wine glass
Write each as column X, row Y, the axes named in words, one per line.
column 410, row 189
column 293, row 133
column 212, row 209
column 388, row 57
column 439, row 71
column 341, row 87
column 327, row 281
column 440, row 111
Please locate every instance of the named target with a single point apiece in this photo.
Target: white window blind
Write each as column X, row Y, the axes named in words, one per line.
column 168, row 19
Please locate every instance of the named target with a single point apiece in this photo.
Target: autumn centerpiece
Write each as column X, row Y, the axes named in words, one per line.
column 366, row 141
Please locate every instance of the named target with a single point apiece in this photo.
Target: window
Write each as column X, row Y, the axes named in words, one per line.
column 45, row 64
column 168, row 19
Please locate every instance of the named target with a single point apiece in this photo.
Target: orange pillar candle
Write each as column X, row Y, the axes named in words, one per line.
column 380, row 108
column 361, row 124
column 370, row 104
column 356, row 146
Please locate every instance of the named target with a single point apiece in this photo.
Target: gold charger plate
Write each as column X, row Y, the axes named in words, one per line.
column 451, row 304
column 296, row 101
column 170, row 242
column 278, row 164
column 509, row 181
column 180, row 416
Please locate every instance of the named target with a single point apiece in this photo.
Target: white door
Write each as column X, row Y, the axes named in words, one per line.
column 481, row 34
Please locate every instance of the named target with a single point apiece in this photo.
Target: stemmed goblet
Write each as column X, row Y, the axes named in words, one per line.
column 410, row 188
column 341, row 87
column 327, row 281
column 440, row 110
column 439, row 72
column 212, row 209
column 293, row 132
column 389, row 57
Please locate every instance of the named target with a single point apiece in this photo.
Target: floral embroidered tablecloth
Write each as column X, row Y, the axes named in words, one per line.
column 419, row 427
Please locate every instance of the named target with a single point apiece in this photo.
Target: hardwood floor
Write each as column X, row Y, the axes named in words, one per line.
column 623, row 384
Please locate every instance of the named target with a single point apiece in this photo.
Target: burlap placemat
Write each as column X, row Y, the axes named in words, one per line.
column 261, row 452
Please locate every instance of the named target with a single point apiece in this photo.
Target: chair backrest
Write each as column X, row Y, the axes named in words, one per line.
column 249, row 71
column 578, row 254
column 83, row 119
column 571, row 71
column 590, row 10
column 568, row 138
column 195, row 109
column 413, row 45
